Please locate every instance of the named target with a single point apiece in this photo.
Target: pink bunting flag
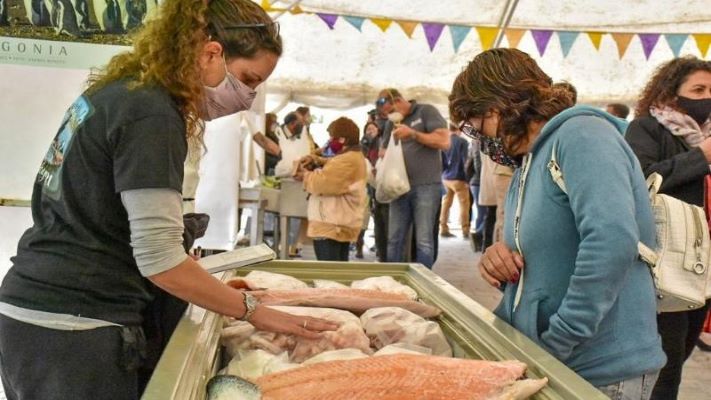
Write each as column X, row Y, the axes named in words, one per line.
column 541, row 37
column 432, row 33
column 329, row 19
column 649, row 40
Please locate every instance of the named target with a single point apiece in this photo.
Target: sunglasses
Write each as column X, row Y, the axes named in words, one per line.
column 260, row 27
column 382, row 101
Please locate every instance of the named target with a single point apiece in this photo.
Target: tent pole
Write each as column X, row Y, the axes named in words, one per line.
column 505, row 21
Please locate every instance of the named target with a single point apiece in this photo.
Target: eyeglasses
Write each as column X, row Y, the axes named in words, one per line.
column 468, row 129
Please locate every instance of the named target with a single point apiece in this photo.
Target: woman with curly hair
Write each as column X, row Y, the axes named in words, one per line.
column 568, row 263
column 671, row 135
column 107, row 218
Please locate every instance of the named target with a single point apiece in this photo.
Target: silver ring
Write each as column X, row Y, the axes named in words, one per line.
column 305, row 322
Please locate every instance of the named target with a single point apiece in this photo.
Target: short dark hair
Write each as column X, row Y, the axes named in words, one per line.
column 345, row 128
column 290, row 117
column 619, row 110
column 303, row 110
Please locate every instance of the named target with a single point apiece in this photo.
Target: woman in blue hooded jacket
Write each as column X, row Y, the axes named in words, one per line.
column 568, row 264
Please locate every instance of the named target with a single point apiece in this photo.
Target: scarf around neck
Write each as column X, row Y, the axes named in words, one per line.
column 680, row 124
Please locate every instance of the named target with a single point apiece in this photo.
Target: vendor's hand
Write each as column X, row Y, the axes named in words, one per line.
column 500, row 264
column 404, row 132
column 271, row 320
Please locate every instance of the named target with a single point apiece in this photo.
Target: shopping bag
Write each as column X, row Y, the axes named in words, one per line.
column 292, row 149
column 391, row 179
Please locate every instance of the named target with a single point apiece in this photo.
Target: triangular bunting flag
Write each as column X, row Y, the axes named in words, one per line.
column 566, row 41
column 432, row 33
column 595, row 38
column 329, row 19
column 382, row 23
column 623, row 41
column 703, row 40
column 675, row 41
column 541, row 37
column 357, row 22
column 296, row 10
column 649, row 41
column 513, row 36
column 458, row 32
column 408, row 27
column 266, row 5
column 487, row 36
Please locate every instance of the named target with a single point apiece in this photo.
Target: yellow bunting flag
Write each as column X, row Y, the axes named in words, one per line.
column 595, row 38
column 703, row 40
column 265, row 5
column 382, row 23
column 622, row 40
column 296, row 10
column 513, row 36
column 407, row 26
column 487, row 36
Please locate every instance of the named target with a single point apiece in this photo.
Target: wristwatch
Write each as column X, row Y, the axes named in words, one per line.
column 250, row 306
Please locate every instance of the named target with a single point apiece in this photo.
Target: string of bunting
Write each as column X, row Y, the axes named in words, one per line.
column 487, row 35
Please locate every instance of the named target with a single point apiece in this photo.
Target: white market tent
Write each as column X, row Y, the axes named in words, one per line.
column 343, row 67
column 610, row 47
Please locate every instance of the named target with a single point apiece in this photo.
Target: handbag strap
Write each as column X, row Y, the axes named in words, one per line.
column 654, row 182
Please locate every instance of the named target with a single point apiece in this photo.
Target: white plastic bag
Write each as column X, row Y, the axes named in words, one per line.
column 292, row 149
column 391, row 179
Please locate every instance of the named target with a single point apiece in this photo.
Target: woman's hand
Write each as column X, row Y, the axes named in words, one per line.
column 500, row 264
column 268, row 319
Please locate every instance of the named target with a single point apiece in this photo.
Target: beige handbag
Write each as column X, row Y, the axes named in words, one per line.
column 680, row 264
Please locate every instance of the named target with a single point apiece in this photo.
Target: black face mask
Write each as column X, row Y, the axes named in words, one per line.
column 698, row 109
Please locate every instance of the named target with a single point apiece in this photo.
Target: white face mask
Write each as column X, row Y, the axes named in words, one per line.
column 228, row 97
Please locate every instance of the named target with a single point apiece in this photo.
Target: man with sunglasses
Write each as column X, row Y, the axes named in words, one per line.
column 424, row 135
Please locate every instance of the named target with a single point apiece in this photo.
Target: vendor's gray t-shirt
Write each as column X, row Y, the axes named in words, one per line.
column 424, row 164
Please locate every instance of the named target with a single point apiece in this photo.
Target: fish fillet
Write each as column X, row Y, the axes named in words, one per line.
column 354, row 300
column 401, row 377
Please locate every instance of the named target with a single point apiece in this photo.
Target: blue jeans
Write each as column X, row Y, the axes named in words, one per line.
column 420, row 205
column 639, row 388
column 480, row 210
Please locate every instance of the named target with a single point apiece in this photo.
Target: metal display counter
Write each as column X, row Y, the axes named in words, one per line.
column 259, row 200
column 193, row 354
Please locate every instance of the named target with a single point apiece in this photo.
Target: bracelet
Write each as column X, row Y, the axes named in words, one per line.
column 250, row 306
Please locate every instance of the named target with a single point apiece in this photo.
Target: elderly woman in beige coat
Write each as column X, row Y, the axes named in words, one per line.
column 337, row 192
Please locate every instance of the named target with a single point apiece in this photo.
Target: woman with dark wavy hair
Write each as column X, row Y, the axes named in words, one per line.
column 671, row 135
column 106, row 206
column 568, row 263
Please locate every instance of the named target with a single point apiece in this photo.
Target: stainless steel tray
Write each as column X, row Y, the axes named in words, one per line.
column 192, row 356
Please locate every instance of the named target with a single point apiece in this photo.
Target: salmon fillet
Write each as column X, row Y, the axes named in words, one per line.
column 355, row 300
column 401, row 377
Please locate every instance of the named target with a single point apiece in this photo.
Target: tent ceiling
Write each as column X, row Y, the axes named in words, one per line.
column 343, row 67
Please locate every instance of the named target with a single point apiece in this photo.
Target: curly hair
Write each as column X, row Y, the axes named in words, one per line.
column 166, row 50
column 510, row 82
column 662, row 88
